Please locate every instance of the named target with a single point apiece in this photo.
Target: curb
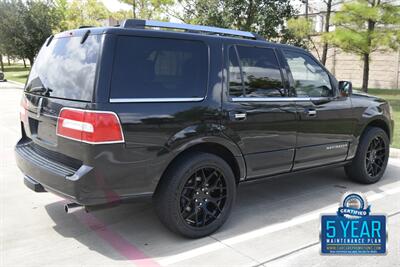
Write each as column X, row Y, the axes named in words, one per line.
column 395, row 153
column 16, row 83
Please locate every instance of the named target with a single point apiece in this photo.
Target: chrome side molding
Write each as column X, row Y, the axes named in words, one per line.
column 277, row 99
column 156, row 100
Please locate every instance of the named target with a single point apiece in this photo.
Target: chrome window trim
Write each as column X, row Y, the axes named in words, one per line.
column 156, row 100
column 268, row 99
column 277, row 99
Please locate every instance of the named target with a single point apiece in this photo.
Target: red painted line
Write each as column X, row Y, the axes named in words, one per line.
column 116, row 241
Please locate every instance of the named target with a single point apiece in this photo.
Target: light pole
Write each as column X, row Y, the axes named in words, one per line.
column 306, row 3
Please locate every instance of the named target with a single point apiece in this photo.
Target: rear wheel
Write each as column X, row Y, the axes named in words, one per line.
column 196, row 195
column 369, row 164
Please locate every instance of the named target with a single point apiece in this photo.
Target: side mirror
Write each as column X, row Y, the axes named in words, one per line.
column 345, row 88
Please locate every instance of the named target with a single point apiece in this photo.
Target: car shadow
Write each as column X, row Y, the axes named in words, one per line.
column 259, row 204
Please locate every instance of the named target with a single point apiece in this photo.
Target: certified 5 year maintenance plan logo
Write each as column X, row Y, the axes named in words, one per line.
column 353, row 230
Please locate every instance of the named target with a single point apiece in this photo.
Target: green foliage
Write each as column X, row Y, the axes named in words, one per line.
column 60, row 11
column 16, row 72
column 78, row 13
column 300, row 27
column 363, row 27
column 265, row 17
column 121, row 15
column 148, row 9
column 299, row 31
column 25, row 25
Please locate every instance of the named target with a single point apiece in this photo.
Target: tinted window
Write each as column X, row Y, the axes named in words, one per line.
column 260, row 72
column 235, row 78
column 309, row 77
column 159, row 68
column 66, row 68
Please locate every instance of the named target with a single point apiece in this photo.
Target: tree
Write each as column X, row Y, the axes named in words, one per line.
column 8, row 23
column 301, row 30
column 78, row 13
column 365, row 26
column 24, row 26
column 265, row 17
column 149, row 9
column 1, row 62
column 121, row 15
column 329, row 4
column 60, row 11
column 326, row 29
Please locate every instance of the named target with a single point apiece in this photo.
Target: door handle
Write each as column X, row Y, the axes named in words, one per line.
column 239, row 116
column 311, row 112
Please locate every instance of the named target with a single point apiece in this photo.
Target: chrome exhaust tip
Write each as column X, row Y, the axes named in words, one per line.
column 71, row 207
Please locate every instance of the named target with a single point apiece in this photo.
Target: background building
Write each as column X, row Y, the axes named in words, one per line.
column 384, row 66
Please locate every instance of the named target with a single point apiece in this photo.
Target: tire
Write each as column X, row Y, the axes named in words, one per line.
column 368, row 166
column 181, row 204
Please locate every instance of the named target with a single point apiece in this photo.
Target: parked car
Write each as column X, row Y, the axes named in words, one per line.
column 118, row 113
column 2, row 77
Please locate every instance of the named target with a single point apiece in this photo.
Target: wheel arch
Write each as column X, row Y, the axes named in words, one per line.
column 379, row 122
column 218, row 146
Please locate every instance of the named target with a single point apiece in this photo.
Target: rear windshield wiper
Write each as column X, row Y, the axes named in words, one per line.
column 41, row 89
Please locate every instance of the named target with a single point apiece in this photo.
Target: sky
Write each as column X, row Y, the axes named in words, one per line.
column 115, row 5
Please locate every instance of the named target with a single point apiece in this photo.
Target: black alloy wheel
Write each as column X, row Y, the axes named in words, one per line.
column 196, row 194
column 203, row 197
column 375, row 156
column 371, row 158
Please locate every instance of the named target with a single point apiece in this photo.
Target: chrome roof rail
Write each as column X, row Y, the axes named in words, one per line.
column 137, row 23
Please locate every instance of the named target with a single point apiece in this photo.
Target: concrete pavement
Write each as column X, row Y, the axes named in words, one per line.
column 274, row 223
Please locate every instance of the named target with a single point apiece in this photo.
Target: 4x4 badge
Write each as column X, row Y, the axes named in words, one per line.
column 39, row 107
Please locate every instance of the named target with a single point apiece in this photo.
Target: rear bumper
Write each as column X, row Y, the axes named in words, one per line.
column 43, row 174
column 33, row 185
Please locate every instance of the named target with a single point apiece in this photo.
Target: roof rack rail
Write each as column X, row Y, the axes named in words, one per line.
column 85, row 26
column 137, row 23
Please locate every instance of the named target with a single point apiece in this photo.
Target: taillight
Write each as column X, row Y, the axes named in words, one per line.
column 22, row 109
column 89, row 126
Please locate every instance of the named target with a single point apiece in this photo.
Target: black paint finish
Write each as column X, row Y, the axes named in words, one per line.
column 275, row 136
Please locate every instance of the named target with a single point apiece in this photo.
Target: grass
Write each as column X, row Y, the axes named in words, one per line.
column 16, row 72
column 393, row 96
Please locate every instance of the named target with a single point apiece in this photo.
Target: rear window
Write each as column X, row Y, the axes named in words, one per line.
column 159, row 68
column 66, row 68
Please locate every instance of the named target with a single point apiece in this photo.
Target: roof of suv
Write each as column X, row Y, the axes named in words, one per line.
column 132, row 26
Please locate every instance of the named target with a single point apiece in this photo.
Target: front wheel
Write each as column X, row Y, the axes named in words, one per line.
column 369, row 164
column 196, row 194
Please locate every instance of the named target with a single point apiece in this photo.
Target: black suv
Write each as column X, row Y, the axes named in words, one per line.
column 184, row 115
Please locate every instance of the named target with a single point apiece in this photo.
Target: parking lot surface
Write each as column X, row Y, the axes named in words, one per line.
column 274, row 223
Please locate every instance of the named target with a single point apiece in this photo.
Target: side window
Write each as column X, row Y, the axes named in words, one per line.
column 254, row 72
column 311, row 80
column 159, row 68
column 235, row 76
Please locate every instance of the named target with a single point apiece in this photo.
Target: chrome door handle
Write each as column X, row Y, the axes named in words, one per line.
column 240, row 116
column 237, row 115
column 311, row 112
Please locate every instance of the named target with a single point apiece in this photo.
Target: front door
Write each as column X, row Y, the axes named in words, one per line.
column 260, row 117
column 325, row 123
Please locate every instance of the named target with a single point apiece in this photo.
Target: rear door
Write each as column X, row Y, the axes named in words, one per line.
column 325, row 124
column 63, row 75
column 260, row 116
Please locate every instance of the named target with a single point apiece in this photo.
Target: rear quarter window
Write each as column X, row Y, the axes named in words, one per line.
column 146, row 67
